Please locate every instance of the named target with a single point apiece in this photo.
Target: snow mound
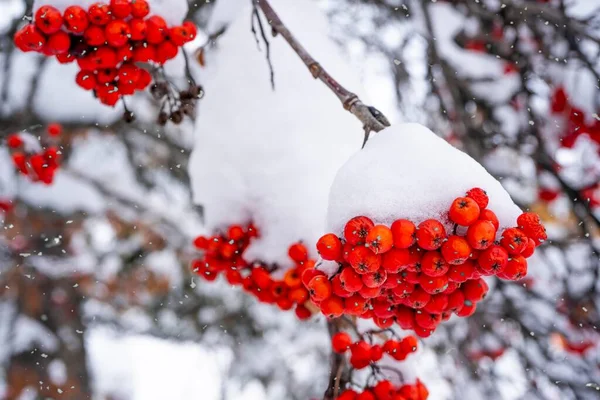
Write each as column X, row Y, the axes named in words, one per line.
column 265, row 155
column 406, row 171
column 173, row 11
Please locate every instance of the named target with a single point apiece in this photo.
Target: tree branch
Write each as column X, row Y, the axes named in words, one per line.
column 372, row 119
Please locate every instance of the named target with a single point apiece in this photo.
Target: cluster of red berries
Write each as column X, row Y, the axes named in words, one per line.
column 386, row 390
column 107, row 41
column 223, row 255
column 418, row 276
column 363, row 354
column 38, row 166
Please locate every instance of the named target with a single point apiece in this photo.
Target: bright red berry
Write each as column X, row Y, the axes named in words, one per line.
column 75, row 19
column 430, row 234
column 120, row 8
column 380, row 239
column 364, row 260
column 48, row 19
column 480, row 197
column 456, row 250
column 156, row 30
column 433, row 264
column 493, row 260
column 99, row 14
column 340, row 342
column 117, row 33
column 464, row 211
column 514, row 241
column 481, row 234
column 140, row 8
column 357, row 229
column 404, row 232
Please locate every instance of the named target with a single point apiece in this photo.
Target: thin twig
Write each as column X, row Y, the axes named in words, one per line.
column 372, row 119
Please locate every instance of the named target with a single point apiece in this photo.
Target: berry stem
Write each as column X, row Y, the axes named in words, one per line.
column 372, row 119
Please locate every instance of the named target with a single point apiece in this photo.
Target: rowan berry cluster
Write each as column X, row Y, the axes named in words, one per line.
column 386, row 390
column 107, row 41
column 39, row 165
column 362, row 354
column 418, row 275
column 223, row 254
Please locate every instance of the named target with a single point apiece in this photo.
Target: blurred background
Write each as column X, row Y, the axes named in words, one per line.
column 96, row 297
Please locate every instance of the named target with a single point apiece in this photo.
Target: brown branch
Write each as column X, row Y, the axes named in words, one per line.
column 339, row 373
column 372, row 119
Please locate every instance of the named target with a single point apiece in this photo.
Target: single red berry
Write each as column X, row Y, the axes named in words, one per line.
column 380, row 239
column 422, row 332
column 137, row 28
column 125, row 53
column 374, row 279
column 474, row 290
column 456, row 250
column 191, row 29
column 427, row 320
column 430, row 234
column 377, row 352
column 13, row 141
column 529, row 249
column 433, row 264
column 489, row 215
column 180, row 35
column 397, row 260
column 405, row 317
column 319, row 288
column 107, row 75
column 144, row 53
column 120, row 8
column 516, row 269
column 99, row 14
column 461, row 272
column 531, row 225
column 54, row 129
column 65, row 58
column 437, row 304
column 48, row 19
column 409, row 344
column 355, row 305
column 351, row 281
column 480, row 197
column 298, row 252
column 364, row 260
column 117, row 33
column 467, row 310
column 418, row 298
column 456, row 301
column 464, row 211
column 433, row 285
column 144, row 80
column 332, row 307
column 103, row 57
column 94, row 35
column 75, row 19
column 308, row 274
column 156, row 30
column 404, row 232
column 330, row 247
column 481, row 234
column 30, row 38
column 340, row 342
column 140, row 8
column 58, row 43
column 302, row 312
column 493, row 260
column 348, row 394
column 514, row 241
column 357, row 229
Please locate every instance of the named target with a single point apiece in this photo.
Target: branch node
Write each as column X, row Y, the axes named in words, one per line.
column 315, row 69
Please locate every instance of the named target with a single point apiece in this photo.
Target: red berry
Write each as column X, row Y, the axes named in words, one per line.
column 405, row 317
column 357, row 229
column 319, row 288
column 14, row 141
column 493, row 260
column 48, row 19
column 531, row 225
column 165, row 51
column 107, row 75
column 480, row 197
column 308, row 274
column 529, row 249
column 340, row 342
column 104, row 57
column 456, row 250
column 75, row 19
column 467, row 310
column 374, row 279
column 489, row 215
column 117, row 33
column 156, row 30
column 298, row 252
column 65, row 58
column 30, row 38
column 456, row 301
column 332, row 307
column 430, row 234
column 99, row 14
column 462, row 272
column 191, row 29
column 516, row 268
column 418, row 298
column 433, row 264
column 481, row 234
column 405, row 233
column 330, row 247
column 54, row 129
column 348, row 394
column 351, row 281
column 94, row 35
column 144, row 80
column 377, row 352
column 437, row 304
column 144, row 53
column 427, row 320
column 409, row 344
column 140, row 8
column 380, row 239
column 120, row 8
column 433, row 285
column 514, row 241
column 355, row 304
column 464, row 211
column 364, row 260
column 397, row 260
column 302, row 312
column 180, row 35
column 137, row 27
column 474, row 290
column 366, row 395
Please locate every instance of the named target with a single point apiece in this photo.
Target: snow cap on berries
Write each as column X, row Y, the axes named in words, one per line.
column 406, row 171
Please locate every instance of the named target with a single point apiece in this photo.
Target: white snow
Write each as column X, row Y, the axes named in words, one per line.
column 406, row 171
column 270, row 155
column 173, row 11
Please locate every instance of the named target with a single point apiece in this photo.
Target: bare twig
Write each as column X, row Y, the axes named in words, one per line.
column 372, row 119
